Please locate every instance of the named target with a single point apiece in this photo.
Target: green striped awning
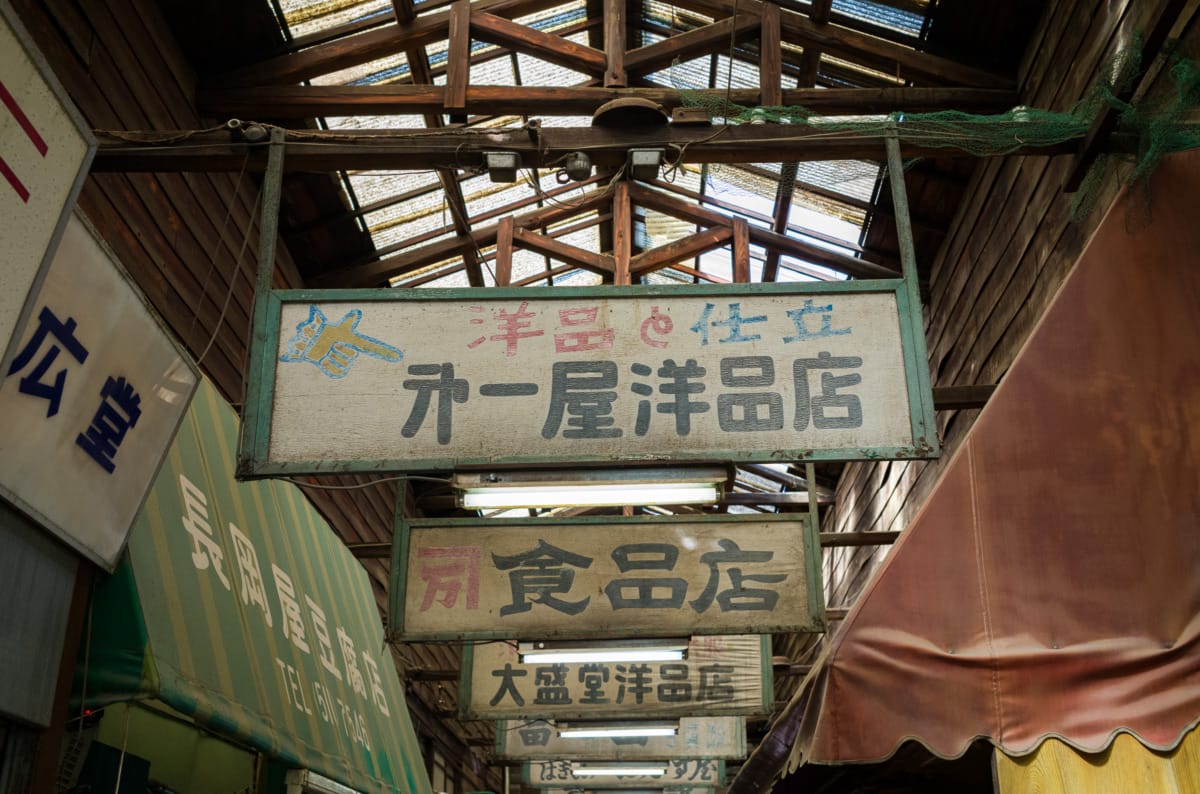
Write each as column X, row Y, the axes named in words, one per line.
column 238, row 605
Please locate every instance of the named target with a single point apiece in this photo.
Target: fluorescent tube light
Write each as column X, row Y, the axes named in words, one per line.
column 583, row 652
column 591, row 496
column 665, row 485
column 593, row 770
column 598, row 730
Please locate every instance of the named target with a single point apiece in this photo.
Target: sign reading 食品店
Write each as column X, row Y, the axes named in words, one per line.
column 695, row 737
column 701, row 773
column 45, row 148
column 604, row 577
column 720, row 676
column 91, row 401
column 418, row 379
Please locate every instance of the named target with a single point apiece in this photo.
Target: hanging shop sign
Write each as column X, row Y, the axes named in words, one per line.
column 238, row 606
column 378, row 380
column 91, row 400
column 646, row 789
column 45, row 150
column 695, row 737
column 604, row 577
column 695, row 773
column 720, row 676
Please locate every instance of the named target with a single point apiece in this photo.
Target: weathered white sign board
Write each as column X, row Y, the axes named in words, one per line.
column 45, row 149
column 428, row 379
column 650, row 788
column 721, row 676
column 94, row 395
column 684, row 773
column 696, row 737
column 613, row 577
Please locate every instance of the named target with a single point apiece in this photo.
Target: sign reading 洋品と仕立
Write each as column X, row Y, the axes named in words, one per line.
column 45, row 148
column 91, row 401
column 694, row 737
column 599, row 577
column 417, row 379
column 720, row 676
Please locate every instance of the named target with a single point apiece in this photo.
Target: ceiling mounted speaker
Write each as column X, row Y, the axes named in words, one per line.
column 630, row 112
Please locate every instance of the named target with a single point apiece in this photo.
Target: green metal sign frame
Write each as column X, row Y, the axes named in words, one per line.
column 796, row 522
column 253, row 456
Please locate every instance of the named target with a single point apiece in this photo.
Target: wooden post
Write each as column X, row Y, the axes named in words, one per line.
column 458, row 56
column 770, row 57
column 741, row 251
column 622, row 234
column 504, row 250
column 614, row 43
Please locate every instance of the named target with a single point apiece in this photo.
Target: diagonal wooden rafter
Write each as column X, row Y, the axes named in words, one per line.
column 839, row 40
column 546, row 46
column 685, row 46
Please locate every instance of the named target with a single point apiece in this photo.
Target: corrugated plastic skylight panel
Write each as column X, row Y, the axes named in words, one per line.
column 374, row 122
column 390, row 69
column 854, row 178
column 886, row 16
column 371, row 186
column 494, row 71
column 555, row 18
column 398, row 222
column 535, row 71
column 311, row 16
column 667, row 14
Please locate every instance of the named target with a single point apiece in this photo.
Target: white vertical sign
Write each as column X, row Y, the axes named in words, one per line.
column 93, row 397
column 45, row 148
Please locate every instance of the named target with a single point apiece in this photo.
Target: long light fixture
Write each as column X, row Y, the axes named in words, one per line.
column 590, row 487
column 599, row 651
column 617, row 730
column 630, row 769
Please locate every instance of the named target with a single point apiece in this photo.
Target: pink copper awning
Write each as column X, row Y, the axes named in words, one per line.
column 1051, row 583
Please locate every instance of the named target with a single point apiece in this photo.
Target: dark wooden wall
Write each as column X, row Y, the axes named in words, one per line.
column 1011, row 245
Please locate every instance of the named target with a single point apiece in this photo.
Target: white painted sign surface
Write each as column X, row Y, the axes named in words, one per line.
column 721, row 676
column 685, row 773
column 91, row 403
column 44, row 152
column 696, row 737
column 543, row 579
column 623, row 375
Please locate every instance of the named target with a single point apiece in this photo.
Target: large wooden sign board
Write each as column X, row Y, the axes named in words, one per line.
column 695, row 737
column 721, row 676
column 604, row 577
column 404, row 380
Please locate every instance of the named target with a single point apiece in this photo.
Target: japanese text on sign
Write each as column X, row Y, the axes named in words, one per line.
column 720, row 676
column 590, row 378
column 555, row 579
column 695, row 772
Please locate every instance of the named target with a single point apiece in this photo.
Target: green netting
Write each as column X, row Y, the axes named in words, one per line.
column 1145, row 132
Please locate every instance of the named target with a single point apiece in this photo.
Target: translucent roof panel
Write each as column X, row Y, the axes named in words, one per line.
column 304, row 17
column 886, row 16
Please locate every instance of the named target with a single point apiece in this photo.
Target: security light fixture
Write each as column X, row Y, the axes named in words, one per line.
column 600, row 651
column 502, row 166
column 590, row 487
column 617, row 730
column 630, row 769
column 643, row 164
column 578, row 166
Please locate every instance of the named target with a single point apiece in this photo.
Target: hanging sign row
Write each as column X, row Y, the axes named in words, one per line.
column 405, row 380
column 696, row 773
column 603, row 577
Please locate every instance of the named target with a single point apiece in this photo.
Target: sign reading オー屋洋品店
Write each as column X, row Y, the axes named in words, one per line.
column 604, row 577
column 402, row 380
column 720, row 676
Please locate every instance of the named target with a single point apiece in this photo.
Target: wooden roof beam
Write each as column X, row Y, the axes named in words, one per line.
column 368, row 46
column 302, row 102
column 685, row 46
column 545, row 46
column 844, row 42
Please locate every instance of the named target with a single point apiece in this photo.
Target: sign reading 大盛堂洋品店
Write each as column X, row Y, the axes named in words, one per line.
column 407, row 380
column 718, row 676
column 604, row 577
